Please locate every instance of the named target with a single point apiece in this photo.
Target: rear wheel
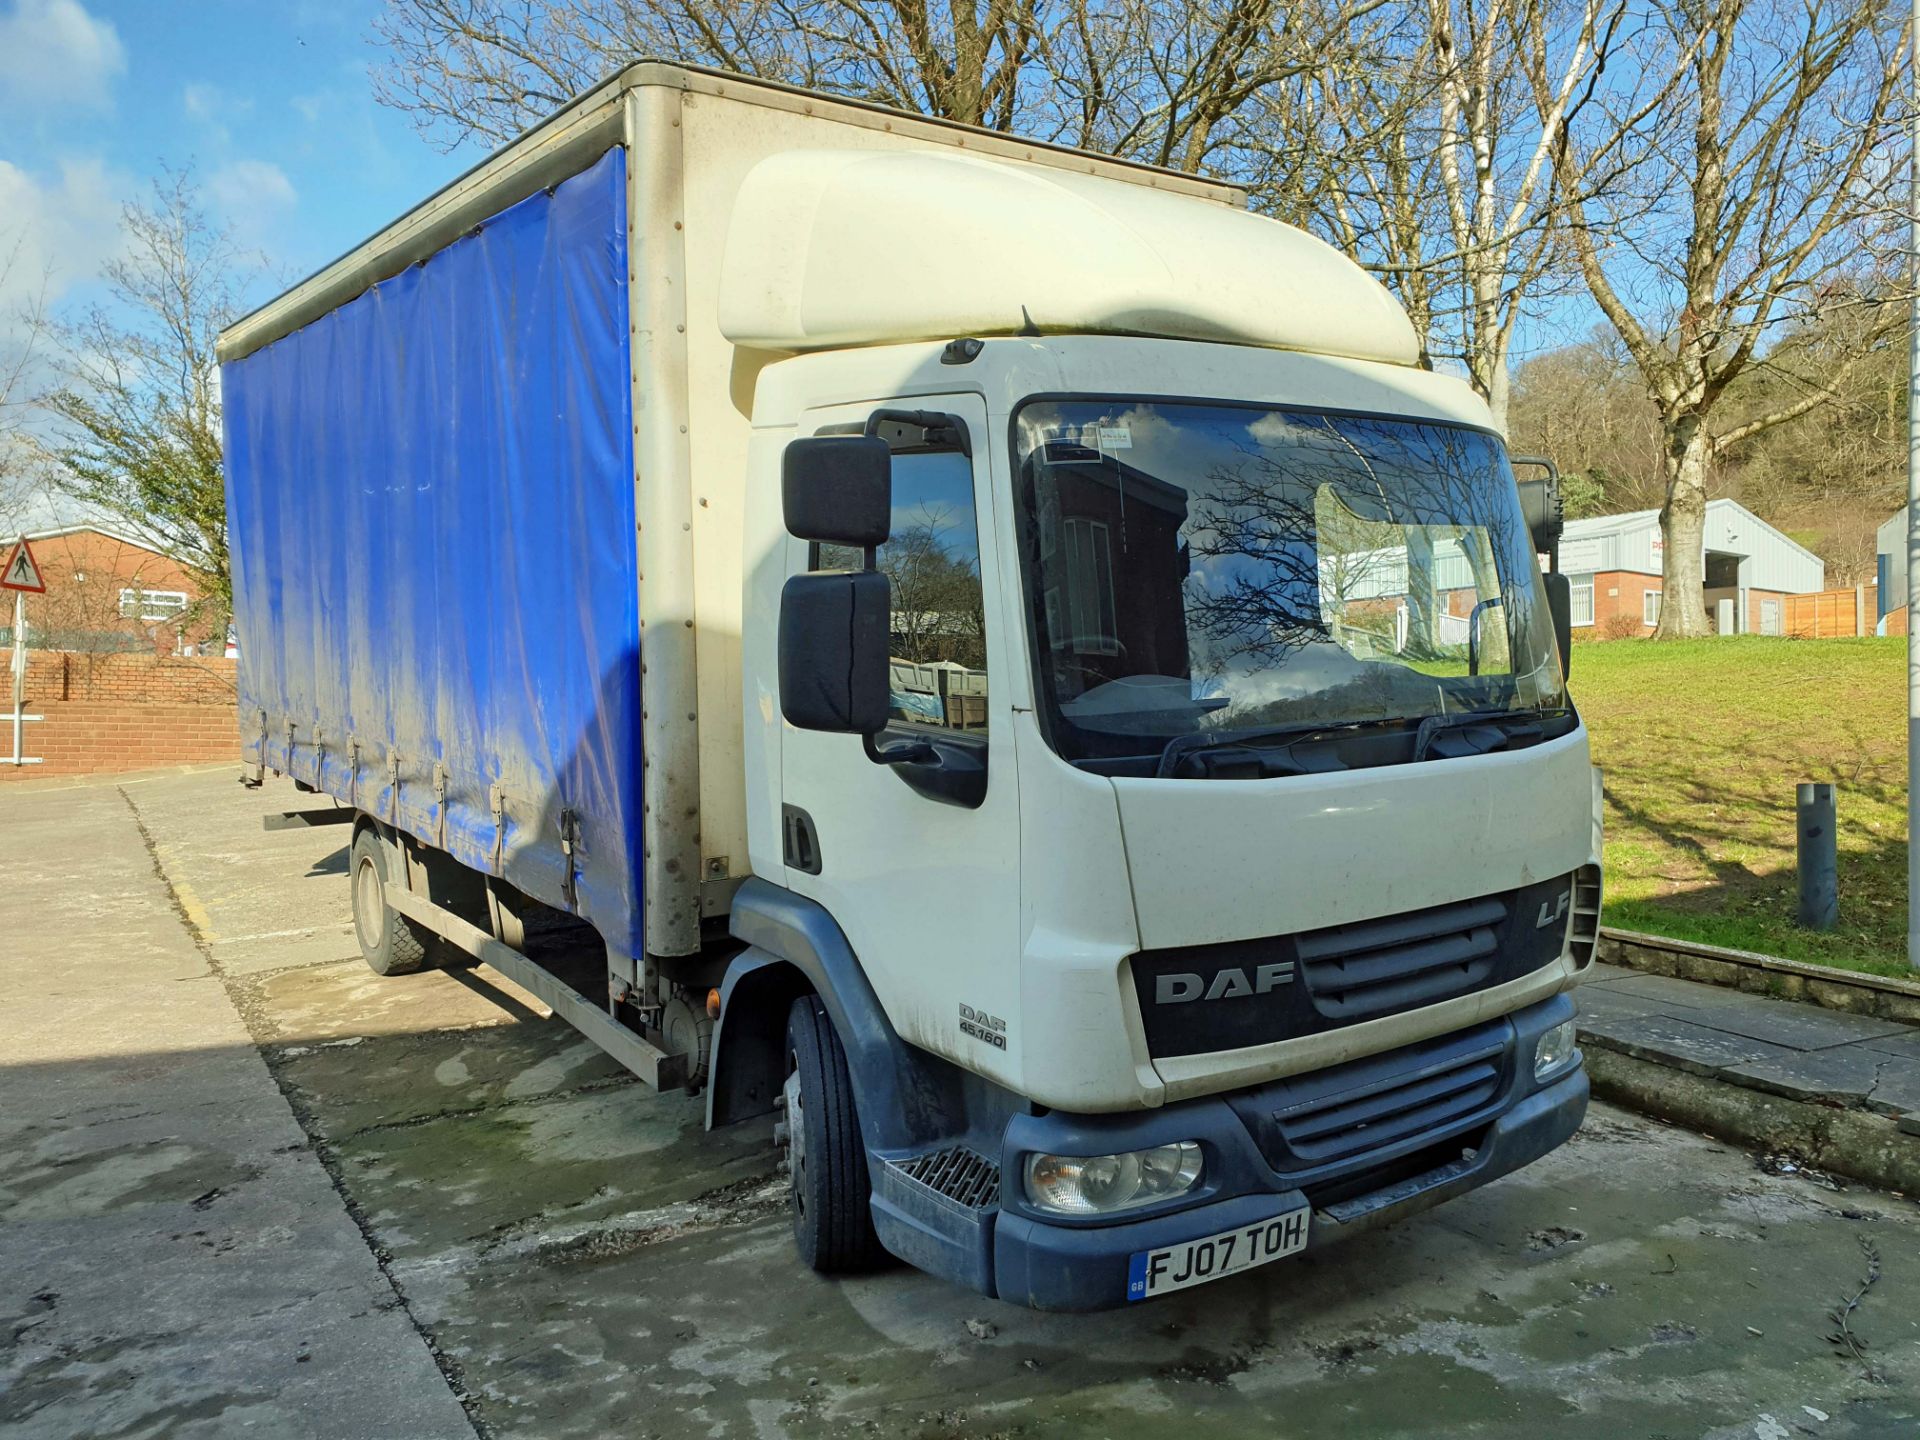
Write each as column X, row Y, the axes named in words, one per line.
column 826, row 1159
column 389, row 942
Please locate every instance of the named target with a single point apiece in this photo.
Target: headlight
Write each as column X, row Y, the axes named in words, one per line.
column 1102, row 1184
column 1554, row 1051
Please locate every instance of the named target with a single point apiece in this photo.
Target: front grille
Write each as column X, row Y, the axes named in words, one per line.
column 1383, row 966
column 1234, row 994
column 1584, row 936
column 1432, row 1086
column 962, row 1175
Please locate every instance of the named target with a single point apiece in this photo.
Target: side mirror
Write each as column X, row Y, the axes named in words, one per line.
column 833, row 651
column 1541, row 505
column 1560, row 605
column 838, row 489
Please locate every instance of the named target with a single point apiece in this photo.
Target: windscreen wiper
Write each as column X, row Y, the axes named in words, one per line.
column 1184, row 747
column 1275, row 747
column 1434, row 725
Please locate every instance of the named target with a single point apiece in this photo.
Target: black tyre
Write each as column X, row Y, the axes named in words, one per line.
column 389, row 942
column 826, row 1161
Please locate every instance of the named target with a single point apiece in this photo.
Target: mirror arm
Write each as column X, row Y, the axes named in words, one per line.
column 943, row 432
column 1473, row 631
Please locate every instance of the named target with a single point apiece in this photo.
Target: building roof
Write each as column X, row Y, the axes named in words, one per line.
column 34, row 537
column 1595, row 526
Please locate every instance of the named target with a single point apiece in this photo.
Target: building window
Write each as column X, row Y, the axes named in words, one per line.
column 1582, row 590
column 153, row 604
column 1090, row 587
column 1650, row 606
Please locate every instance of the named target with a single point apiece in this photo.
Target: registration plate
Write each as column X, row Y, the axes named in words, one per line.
column 1194, row 1262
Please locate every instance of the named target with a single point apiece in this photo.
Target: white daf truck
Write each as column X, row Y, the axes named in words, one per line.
column 1019, row 667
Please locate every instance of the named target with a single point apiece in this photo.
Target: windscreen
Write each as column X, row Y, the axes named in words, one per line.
column 1214, row 571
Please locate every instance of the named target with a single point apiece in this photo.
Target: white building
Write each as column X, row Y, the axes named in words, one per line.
column 1614, row 563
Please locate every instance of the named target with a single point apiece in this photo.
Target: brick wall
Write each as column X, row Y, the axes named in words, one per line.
column 110, row 713
column 1621, row 592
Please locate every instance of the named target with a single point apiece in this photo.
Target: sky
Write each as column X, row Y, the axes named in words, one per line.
column 269, row 104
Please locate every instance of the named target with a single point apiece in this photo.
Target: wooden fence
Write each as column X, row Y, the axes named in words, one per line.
column 1827, row 614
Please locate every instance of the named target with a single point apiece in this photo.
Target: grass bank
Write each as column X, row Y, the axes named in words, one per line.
column 1703, row 742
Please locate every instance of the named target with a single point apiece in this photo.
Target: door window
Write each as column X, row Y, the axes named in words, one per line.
column 938, row 642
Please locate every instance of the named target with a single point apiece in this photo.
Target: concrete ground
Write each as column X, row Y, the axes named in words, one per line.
column 246, row 1186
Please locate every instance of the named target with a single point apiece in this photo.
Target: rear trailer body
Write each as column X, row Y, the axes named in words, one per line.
column 511, row 566
column 437, row 604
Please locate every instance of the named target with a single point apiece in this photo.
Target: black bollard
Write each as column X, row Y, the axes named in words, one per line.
column 1819, row 858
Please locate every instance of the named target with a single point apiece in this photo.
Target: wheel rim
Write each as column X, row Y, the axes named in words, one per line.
column 369, row 906
column 796, row 1137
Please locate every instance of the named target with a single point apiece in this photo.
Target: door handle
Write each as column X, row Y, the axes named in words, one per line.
column 799, row 840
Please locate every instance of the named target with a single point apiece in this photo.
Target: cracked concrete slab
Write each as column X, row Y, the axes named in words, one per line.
column 1907, row 1044
column 1679, row 1043
column 1847, row 1075
column 1795, row 1026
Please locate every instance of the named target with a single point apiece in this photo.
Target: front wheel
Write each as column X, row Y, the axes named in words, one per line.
column 389, row 942
column 826, row 1159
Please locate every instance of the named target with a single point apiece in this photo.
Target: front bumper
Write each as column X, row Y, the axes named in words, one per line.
column 1053, row 1267
column 1261, row 1163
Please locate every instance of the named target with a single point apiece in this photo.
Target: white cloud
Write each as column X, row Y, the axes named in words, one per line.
column 251, row 197
column 52, row 52
column 251, row 184
column 56, row 232
column 214, row 108
column 202, row 102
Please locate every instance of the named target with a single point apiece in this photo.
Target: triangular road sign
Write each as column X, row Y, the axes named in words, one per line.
column 22, row 571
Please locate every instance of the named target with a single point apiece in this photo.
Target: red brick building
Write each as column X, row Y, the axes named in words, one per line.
column 118, row 676
column 110, row 593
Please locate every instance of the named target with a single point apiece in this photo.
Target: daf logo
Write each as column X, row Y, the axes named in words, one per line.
column 1559, row 909
column 1227, row 984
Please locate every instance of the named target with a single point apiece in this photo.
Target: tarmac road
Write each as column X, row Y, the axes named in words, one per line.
column 248, row 1187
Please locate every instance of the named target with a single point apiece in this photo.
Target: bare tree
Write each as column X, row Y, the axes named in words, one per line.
column 1757, row 186
column 137, row 411
column 1153, row 80
column 1444, row 174
column 1585, row 406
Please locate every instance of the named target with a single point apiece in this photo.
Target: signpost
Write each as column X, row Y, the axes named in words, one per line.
column 21, row 574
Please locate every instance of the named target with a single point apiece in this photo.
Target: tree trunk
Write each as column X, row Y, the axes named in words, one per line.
column 1498, row 388
column 1683, row 525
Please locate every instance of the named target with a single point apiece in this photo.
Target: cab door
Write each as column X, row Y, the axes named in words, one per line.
column 919, row 862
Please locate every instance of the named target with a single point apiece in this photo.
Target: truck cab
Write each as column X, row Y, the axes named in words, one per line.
column 1227, row 826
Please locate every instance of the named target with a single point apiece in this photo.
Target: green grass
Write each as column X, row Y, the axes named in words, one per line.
column 1702, row 744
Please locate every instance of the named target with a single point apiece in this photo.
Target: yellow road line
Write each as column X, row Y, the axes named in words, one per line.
column 195, row 912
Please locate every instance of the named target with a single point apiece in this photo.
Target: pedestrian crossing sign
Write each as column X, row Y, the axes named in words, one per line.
column 22, row 571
